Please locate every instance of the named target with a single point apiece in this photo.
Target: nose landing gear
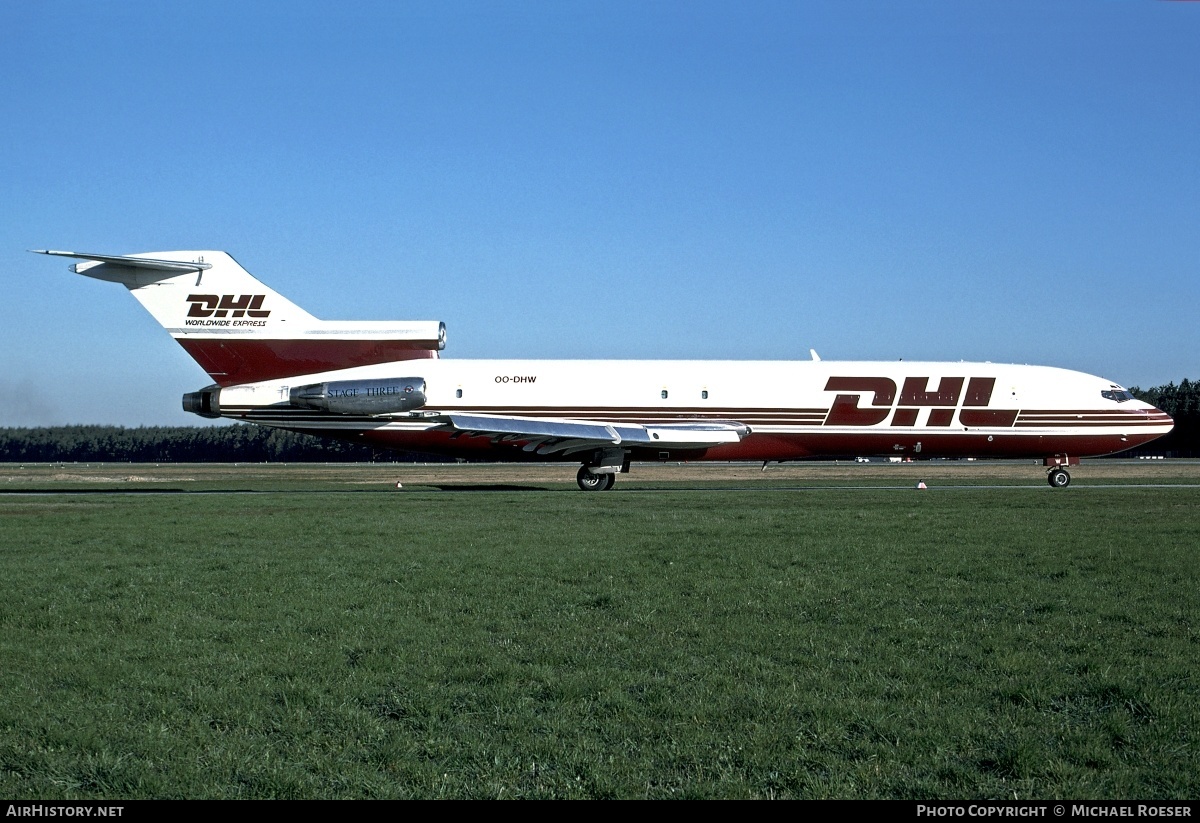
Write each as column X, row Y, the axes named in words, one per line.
column 1058, row 477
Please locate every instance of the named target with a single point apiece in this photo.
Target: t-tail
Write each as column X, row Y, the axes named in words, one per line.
column 241, row 331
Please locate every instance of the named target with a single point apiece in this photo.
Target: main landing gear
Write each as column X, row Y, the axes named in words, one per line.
column 1057, row 475
column 590, row 481
column 600, row 472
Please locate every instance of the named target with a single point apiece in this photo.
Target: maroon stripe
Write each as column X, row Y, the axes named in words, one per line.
column 1130, row 413
column 234, row 361
column 1094, row 424
column 987, row 417
column 1116, row 419
column 797, row 446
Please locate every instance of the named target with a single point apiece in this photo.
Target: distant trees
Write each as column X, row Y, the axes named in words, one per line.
column 1182, row 402
column 239, row 443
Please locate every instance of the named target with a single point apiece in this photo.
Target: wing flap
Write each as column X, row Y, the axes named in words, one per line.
column 548, row 434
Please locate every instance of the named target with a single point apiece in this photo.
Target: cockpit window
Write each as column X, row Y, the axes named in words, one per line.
column 1119, row 395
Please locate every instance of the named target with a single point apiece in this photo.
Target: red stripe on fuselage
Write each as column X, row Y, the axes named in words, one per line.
column 233, row 361
column 771, row 446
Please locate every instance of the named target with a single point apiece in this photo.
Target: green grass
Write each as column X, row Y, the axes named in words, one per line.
column 823, row 643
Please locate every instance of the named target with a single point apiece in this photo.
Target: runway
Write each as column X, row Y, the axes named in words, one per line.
column 509, row 488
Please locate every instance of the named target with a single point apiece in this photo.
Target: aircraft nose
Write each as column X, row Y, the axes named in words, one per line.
column 1159, row 415
column 1167, row 419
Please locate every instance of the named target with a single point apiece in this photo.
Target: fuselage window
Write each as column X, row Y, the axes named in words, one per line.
column 664, row 394
column 458, row 393
column 704, row 394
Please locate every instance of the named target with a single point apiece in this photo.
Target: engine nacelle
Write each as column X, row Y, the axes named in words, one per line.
column 397, row 394
column 206, row 402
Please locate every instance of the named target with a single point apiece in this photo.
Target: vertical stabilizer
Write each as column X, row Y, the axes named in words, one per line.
column 240, row 330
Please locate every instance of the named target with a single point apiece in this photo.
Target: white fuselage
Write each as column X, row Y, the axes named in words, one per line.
column 793, row 408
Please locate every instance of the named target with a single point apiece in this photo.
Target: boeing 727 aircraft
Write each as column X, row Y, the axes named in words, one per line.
column 386, row 385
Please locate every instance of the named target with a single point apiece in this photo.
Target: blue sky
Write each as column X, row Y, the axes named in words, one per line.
column 1004, row 181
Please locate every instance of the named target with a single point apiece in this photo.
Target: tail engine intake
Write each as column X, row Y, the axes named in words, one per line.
column 206, row 402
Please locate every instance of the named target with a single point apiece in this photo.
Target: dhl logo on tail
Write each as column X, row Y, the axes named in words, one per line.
column 213, row 305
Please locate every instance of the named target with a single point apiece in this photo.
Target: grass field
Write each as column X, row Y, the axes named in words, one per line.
column 816, row 631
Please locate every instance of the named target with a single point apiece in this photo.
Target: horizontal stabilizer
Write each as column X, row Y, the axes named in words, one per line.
column 128, row 261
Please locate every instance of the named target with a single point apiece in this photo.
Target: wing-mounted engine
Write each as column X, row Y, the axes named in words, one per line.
column 398, row 394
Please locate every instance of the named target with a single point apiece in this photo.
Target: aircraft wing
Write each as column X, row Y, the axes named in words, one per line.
column 548, row 435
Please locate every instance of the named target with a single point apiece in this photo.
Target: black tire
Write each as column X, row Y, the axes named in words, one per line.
column 591, row 482
column 1059, row 478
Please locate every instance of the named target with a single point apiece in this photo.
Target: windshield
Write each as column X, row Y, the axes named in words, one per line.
column 1119, row 395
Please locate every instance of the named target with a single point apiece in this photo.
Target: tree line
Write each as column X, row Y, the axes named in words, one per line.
column 1182, row 402
column 243, row 443
column 239, row 443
